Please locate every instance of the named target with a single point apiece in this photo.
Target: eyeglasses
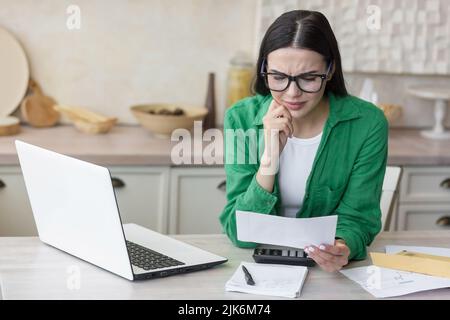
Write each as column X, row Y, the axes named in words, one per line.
column 306, row 82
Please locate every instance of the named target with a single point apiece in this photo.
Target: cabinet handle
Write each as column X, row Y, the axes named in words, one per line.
column 117, row 183
column 222, row 186
column 2, row 184
column 445, row 184
column 443, row 221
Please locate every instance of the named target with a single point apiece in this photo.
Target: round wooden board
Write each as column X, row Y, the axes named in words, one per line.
column 9, row 126
column 14, row 73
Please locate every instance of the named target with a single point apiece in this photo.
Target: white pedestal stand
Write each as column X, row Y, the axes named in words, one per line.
column 441, row 97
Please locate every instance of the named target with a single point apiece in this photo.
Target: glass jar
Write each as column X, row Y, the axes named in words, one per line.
column 240, row 76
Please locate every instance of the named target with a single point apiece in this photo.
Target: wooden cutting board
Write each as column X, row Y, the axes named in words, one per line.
column 14, row 73
column 37, row 108
column 9, row 126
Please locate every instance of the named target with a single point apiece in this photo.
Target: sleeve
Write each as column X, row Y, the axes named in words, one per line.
column 243, row 191
column 359, row 214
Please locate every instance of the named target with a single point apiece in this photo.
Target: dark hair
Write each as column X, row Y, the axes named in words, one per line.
column 307, row 30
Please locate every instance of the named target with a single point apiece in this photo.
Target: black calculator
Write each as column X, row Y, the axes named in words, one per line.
column 282, row 255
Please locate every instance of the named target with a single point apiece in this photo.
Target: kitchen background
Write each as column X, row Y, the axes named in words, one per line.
column 147, row 51
column 140, row 51
column 130, row 52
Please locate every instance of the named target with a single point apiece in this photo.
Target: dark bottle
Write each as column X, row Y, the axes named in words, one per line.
column 210, row 104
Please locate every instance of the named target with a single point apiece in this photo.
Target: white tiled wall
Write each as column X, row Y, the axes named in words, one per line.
column 412, row 47
column 390, row 36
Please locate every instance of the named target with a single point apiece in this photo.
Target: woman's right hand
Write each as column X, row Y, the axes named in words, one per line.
column 278, row 127
column 278, row 119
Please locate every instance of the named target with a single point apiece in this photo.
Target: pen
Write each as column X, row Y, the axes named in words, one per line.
column 248, row 276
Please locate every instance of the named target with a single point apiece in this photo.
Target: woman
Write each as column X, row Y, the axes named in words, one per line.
column 332, row 147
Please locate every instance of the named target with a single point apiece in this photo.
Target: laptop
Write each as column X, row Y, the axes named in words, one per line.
column 75, row 210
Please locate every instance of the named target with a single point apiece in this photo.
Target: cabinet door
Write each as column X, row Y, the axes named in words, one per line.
column 16, row 217
column 197, row 197
column 425, row 184
column 424, row 217
column 141, row 194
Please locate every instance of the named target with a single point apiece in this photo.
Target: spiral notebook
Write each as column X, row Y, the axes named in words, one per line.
column 270, row 279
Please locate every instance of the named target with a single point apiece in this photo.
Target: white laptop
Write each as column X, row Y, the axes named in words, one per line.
column 75, row 210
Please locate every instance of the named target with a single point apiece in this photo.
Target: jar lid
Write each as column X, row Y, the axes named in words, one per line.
column 241, row 58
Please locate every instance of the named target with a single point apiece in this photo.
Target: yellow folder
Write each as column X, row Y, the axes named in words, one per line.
column 415, row 262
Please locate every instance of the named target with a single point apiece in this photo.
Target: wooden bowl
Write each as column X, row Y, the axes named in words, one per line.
column 94, row 127
column 86, row 120
column 164, row 124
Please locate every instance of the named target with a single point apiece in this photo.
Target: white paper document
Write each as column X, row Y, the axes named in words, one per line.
column 270, row 279
column 284, row 231
column 384, row 282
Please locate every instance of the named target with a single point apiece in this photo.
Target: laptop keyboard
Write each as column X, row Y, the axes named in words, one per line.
column 148, row 259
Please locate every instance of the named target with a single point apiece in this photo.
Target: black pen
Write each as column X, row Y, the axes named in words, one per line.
column 248, row 277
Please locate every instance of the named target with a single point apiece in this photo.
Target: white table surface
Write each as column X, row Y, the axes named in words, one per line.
column 30, row 269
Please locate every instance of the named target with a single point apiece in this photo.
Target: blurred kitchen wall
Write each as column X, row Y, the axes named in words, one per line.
column 139, row 51
column 130, row 52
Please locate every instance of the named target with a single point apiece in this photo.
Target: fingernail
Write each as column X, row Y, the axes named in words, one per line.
column 307, row 250
column 311, row 249
column 322, row 247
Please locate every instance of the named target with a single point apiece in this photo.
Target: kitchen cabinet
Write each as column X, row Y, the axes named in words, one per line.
column 423, row 217
column 197, row 199
column 424, row 200
column 189, row 199
column 16, row 218
column 142, row 195
column 145, row 194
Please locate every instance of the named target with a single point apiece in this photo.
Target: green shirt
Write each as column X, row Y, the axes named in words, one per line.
column 346, row 177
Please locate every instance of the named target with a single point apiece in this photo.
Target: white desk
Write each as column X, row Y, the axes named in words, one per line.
column 30, row 269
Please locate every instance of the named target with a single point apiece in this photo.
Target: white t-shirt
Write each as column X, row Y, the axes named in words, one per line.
column 296, row 162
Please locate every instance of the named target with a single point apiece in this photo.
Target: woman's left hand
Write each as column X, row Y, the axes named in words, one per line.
column 330, row 258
